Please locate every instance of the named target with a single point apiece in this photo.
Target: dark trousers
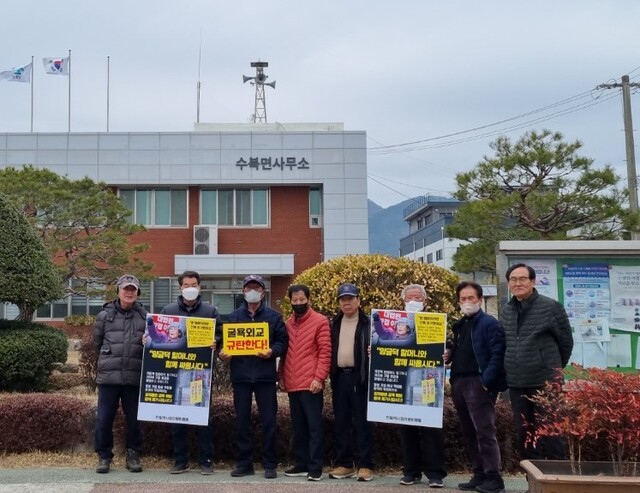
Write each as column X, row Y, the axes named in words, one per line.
column 527, row 416
column 204, row 435
column 109, row 398
column 306, row 418
column 265, row 394
column 477, row 416
column 350, row 411
column 422, row 451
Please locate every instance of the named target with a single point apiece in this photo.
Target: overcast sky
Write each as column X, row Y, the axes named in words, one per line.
column 403, row 71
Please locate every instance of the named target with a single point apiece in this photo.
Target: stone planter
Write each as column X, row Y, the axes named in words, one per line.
column 558, row 476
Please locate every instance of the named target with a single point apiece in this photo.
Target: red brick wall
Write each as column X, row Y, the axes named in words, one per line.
column 289, row 232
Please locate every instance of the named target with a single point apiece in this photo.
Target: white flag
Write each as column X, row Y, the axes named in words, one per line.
column 56, row 66
column 17, row 74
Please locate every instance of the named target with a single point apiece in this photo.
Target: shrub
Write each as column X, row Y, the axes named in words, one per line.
column 380, row 279
column 45, row 422
column 88, row 361
column 80, row 320
column 595, row 407
column 28, row 352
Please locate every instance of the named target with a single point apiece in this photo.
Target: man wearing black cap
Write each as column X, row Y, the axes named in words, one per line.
column 256, row 375
column 117, row 336
column 350, row 338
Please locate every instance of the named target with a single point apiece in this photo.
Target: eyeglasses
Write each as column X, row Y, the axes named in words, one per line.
column 519, row 280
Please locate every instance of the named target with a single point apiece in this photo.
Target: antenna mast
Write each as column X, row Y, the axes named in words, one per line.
column 260, row 80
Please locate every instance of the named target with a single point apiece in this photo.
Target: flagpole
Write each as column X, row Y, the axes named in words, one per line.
column 198, row 85
column 33, row 73
column 108, row 67
column 69, row 112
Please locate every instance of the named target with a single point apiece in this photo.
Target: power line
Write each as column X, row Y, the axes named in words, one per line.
column 482, row 127
column 518, row 126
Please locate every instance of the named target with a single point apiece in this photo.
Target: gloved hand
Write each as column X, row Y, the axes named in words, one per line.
column 376, row 317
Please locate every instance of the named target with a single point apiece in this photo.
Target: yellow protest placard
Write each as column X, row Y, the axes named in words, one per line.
column 431, row 328
column 245, row 339
column 428, row 391
column 195, row 396
column 200, row 331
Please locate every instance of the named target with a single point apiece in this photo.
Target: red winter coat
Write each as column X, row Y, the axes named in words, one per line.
column 309, row 353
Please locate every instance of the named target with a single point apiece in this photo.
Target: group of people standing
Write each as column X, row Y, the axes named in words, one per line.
column 520, row 352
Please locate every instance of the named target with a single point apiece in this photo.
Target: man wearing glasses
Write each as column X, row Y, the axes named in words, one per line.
column 539, row 343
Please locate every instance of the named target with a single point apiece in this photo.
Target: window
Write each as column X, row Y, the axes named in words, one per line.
column 429, row 258
column 420, row 223
column 428, row 220
column 438, row 254
column 315, row 207
column 156, row 207
column 421, row 260
column 234, row 207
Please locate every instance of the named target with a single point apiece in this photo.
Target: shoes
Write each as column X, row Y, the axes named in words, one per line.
column 470, row 485
column 436, row 483
column 365, row 474
column 314, row 476
column 103, row 466
column 179, row 468
column 132, row 460
column 491, row 485
column 270, row 474
column 296, row 472
column 206, row 469
column 342, row 472
column 239, row 472
column 409, row 479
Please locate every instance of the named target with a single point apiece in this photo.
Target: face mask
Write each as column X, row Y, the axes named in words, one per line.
column 300, row 309
column 253, row 296
column 414, row 306
column 190, row 294
column 469, row 309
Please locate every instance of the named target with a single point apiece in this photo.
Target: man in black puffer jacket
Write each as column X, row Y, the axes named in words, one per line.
column 539, row 344
column 190, row 305
column 117, row 336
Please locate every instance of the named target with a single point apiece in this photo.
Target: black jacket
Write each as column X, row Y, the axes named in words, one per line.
column 250, row 369
column 488, row 342
column 360, row 347
column 117, row 336
column 199, row 310
column 539, row 340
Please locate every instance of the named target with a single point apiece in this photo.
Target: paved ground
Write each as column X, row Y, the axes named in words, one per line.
column 77, row 480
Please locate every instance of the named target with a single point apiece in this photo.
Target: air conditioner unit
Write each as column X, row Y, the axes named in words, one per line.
column 205, row 240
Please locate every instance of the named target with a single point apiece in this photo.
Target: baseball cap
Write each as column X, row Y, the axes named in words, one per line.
column 128, row 280
column 253, row 278
column 348, row 289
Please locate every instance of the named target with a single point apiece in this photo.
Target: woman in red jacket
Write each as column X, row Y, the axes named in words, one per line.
column 302, row 373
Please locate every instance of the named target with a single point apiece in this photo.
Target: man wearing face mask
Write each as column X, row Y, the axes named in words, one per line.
column 256, row 375
column 190, row 304
column 422, row 447
column 302, row 373
column 476, row 355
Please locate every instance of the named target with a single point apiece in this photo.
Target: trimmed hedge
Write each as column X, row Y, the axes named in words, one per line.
column 69, row 423
column 28, row 352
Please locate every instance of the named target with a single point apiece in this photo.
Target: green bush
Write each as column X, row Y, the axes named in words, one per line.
column 380, row 279
column 28, row 352
column 79, row 320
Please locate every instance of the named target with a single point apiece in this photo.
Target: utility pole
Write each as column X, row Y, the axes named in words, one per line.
column 632, row 180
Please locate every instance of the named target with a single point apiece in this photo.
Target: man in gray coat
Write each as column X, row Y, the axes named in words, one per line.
column 539, row 344
column 117, row 336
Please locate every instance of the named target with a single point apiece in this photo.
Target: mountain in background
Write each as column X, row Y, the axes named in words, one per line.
column 386, row 227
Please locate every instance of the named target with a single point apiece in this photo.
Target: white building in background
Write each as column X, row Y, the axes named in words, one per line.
column 428, row 243
column 225, row 200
